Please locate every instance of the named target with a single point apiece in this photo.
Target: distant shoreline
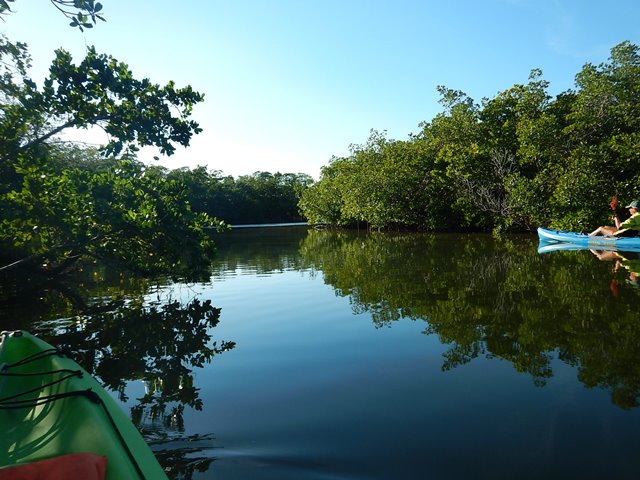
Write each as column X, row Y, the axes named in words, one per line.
column 259, row 225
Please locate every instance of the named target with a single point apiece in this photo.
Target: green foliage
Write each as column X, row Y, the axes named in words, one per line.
column 59, row 203
column 102, row 92
column 265, row 197
column 259, row 198
column 84, row 13
column 516, row 161
column 385, row 184
column 119, row 215
column 322, row 202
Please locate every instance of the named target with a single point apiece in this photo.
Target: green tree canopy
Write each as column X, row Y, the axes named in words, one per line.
column 515, row 161
column 61, row 202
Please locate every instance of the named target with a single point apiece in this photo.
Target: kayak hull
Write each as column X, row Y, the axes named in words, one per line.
column 65, row 421
column 580, row 239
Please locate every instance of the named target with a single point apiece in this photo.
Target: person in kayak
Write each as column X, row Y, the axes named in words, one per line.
column 629, row 228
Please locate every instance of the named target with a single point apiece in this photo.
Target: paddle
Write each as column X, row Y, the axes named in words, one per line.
column 614, row 201
column 614, row 205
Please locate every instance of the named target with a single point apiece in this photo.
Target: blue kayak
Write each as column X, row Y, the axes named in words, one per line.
column 546, row 247
column 597, row 241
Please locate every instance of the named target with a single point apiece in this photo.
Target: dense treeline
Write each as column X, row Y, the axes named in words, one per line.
column 515, row 161
column 263, row 197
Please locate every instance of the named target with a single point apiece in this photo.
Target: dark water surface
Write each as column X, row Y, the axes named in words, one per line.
column 333, row 355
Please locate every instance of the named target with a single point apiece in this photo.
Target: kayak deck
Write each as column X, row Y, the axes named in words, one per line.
column 50, row 406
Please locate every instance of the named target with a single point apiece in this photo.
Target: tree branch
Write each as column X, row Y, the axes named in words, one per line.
column 47, row 136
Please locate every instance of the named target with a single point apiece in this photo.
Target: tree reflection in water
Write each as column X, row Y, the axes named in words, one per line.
column 494, row 298
column 122, row 339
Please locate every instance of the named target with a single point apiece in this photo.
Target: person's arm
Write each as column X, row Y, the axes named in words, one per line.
column 632, row 222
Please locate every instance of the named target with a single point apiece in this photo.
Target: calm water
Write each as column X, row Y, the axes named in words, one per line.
column 330, row 355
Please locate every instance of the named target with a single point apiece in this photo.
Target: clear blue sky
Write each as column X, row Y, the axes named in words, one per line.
column 290, row 83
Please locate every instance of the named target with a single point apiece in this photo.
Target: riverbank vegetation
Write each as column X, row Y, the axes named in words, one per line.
column 62, row 201
column 512, row 162
column 262, row 197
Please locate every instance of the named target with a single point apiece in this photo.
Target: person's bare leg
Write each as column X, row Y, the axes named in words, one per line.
column 604, row 231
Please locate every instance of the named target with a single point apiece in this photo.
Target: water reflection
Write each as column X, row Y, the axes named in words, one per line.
column 258, row 251
column 184, row 456
column 318, row 390
column 493, row 298
column 124, row 330
column 629, row 261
